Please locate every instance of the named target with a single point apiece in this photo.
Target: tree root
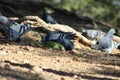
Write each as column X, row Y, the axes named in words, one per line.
column 38, row 22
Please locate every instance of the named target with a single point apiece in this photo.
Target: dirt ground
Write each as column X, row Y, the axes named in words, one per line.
column 26, row 61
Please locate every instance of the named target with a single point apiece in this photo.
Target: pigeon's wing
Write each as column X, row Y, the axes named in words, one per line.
column 93, row 34
column 15, row 31
column 100, row 35
column 70, row 36
column 25, row 28
column 53, row 35
column 21, row 28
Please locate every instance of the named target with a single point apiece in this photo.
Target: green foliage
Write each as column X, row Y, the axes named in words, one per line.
column 50, row 44
column 105, row 10
column 54, row 45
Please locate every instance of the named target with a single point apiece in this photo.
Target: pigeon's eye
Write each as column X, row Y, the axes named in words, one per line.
column 118, row 47
column 97, row 43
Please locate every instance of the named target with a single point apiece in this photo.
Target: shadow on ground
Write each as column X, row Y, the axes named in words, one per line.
column 18, row 75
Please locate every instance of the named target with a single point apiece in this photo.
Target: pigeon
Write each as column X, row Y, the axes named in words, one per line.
column 92, row 34
column 106, row 43
column 63, row 38
column 47, row 18
column 14, row 32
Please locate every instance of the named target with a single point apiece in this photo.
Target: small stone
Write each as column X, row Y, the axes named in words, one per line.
column 76, row 59
column 26, row 61
column 37, row 69
column 75, row 76
column 7, row 65
column 19, row 52
column 28, row 48
column 62, row 78
column 58, row 60
column 4, row 52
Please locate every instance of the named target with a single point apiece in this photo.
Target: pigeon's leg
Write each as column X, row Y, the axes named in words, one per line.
column 108, row 50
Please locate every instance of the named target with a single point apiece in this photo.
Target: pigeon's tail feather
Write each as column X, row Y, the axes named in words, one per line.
column 26, row 28
column 71, row 36
column 68, row 35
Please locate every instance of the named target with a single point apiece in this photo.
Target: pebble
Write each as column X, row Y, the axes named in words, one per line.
column 76, row 59
column 75, row 76
column 19, row 52
column 62, row 78
column 37, row 69
column 4, row 52
column 28, row 48
column 26, row 61
column 7, row 65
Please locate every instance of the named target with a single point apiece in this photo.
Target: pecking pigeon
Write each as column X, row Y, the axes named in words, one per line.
column 63, row 38
column 47, row 18
column 106, row 43
column 14, row 32
column 92, row 34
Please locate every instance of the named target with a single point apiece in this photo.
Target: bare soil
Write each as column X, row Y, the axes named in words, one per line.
column 26, row 61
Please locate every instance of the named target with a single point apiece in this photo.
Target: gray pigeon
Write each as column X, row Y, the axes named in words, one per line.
column 14, row 32
column 63, row 38
column 106, row 43
column 92, row 34
column 47, row 18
